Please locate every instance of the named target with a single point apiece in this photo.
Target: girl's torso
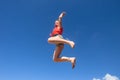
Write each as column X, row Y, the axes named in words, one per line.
column 57, row 30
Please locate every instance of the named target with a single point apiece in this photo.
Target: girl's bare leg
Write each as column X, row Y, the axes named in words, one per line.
column 57, row 53
column 57, row 40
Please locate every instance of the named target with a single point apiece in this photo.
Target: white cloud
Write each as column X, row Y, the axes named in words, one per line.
column 108, row 77
column 95, row 79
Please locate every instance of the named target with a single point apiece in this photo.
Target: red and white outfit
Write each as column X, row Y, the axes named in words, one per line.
column 57, row 31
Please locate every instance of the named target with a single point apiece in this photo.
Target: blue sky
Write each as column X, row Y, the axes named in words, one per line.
column 25, row 25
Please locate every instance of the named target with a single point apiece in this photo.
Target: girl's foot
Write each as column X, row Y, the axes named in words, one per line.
column 72, row 44
column 73, row 61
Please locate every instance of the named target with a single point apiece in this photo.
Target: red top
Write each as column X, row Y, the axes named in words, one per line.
column 57, row 30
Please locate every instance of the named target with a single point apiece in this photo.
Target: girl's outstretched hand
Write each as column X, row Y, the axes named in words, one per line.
column 62, row 14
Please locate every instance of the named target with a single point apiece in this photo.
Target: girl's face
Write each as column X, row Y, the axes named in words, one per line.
column 57, row 22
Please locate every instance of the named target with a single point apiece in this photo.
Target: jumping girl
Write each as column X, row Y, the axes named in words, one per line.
column 56, row 38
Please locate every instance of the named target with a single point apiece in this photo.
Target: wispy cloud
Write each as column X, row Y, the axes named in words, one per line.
column 108, row 77
column 95, row 79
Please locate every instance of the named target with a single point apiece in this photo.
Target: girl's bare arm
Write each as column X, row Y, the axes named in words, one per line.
column 61, row 16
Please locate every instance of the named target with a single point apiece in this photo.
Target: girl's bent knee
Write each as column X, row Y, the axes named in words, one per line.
column 55, row 59
column 50, row 40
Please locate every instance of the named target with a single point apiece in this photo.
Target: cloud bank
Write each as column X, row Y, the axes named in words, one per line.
column 108, row 77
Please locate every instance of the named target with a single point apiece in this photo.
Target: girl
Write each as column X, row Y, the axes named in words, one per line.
column 56, row 38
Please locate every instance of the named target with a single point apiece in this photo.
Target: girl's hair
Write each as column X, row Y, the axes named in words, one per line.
column 57, row 20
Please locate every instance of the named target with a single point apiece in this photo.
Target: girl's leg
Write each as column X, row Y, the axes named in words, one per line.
column 58, row 39
column 57, row 58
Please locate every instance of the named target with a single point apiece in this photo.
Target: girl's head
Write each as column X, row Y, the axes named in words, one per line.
column 57, row 22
